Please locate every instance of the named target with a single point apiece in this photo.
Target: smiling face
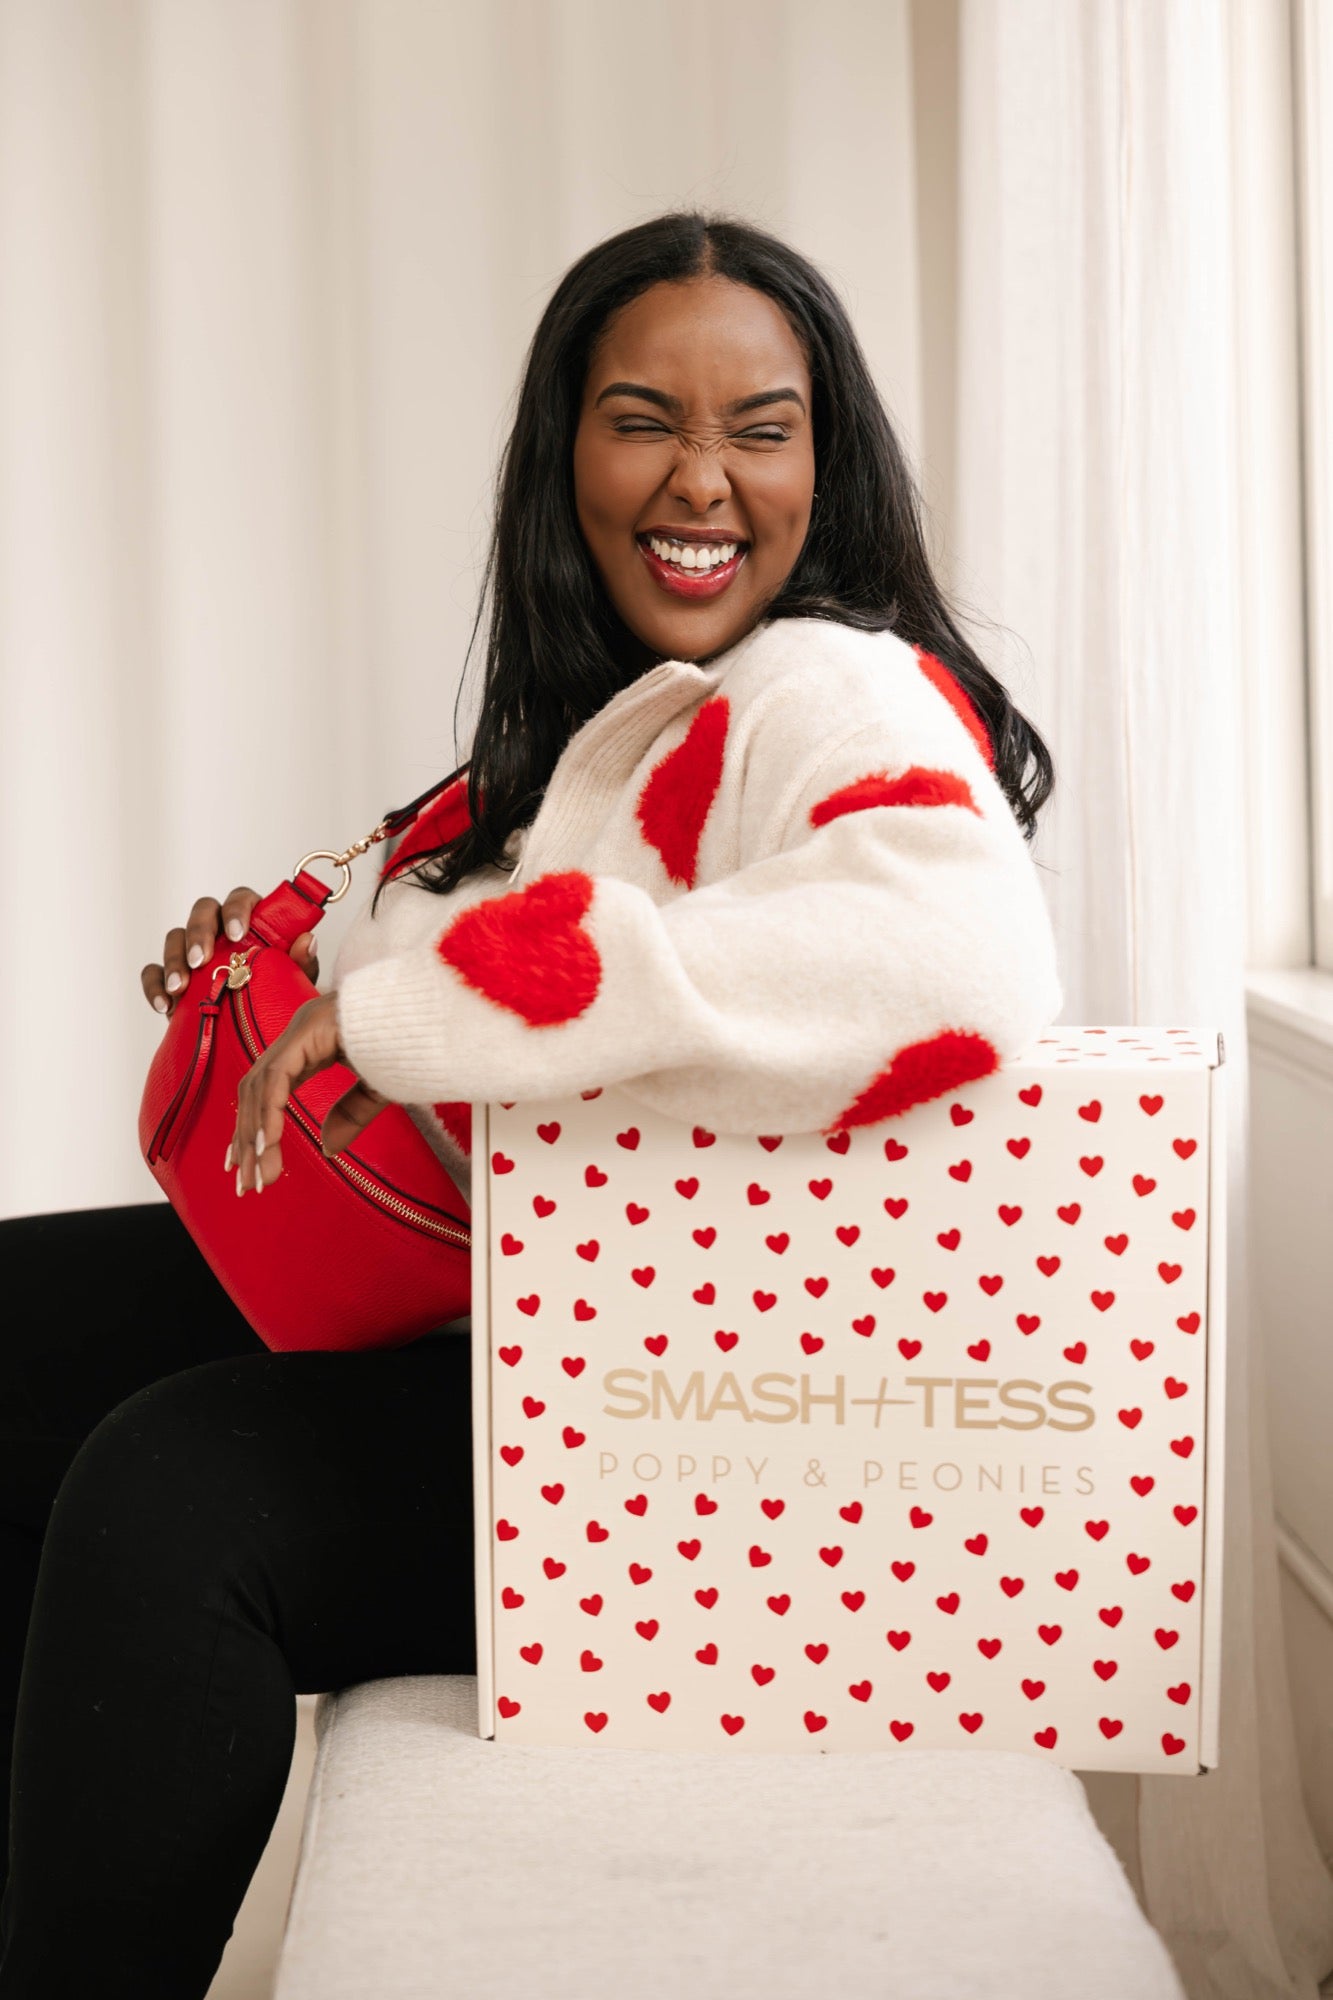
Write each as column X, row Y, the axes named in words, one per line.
column 695, row 440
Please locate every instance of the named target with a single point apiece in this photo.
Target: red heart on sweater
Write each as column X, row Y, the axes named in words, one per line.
column 674, row 802
column 920, row 1071
column 527, row 950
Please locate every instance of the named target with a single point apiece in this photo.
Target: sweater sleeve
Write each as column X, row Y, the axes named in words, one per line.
column 892, row 944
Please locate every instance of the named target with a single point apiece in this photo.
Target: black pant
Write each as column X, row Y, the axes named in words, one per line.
column 193, row 1530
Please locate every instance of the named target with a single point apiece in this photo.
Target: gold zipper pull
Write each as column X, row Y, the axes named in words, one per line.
column 239, row 969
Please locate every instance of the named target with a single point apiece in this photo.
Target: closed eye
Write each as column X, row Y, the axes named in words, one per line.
column 770, row 436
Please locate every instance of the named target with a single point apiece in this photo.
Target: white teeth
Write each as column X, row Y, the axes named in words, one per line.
column 693, row 556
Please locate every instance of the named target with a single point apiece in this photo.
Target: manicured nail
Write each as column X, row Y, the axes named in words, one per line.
column 238, row 1181
column 227, row 1163
column 259, row 1145
column 173, row 981
column 259, row 1178
column 235, row 929
column 194, row 957
column 160, row 1002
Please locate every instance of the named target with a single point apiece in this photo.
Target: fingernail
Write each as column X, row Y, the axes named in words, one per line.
column 227, row 1163
column 194, row 957
column 173, row 981
column 238, row 1180
column 259, row 1179
column 160, row 1002
column 259, row 1145
column 235, row 929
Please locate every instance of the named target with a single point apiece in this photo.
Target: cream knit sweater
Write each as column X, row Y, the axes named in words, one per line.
column 782, row 892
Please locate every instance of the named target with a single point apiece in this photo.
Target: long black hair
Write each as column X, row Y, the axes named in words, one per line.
column 551, row 653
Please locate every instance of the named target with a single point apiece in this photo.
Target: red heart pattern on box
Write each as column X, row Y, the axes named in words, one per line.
column 789, row 1437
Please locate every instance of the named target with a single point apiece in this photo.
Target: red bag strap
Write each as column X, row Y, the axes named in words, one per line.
column 176, row 1115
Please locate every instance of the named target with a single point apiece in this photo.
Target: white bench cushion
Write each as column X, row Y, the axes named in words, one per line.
column 434, row 1863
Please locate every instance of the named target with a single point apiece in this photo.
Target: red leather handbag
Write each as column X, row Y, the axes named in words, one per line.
column 371, row 1248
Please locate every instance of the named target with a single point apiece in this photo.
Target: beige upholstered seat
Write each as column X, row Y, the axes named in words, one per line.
column 434, row 1863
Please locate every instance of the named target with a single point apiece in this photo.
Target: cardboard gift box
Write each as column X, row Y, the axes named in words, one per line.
column 911, row 1435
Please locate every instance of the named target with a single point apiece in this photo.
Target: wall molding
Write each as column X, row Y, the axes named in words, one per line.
column 1289, row 1018
column 1306, row 1567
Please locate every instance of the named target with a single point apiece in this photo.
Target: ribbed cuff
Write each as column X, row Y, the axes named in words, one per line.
column 392, row 1025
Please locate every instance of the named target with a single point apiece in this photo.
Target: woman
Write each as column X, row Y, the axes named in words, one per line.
column 707, row 545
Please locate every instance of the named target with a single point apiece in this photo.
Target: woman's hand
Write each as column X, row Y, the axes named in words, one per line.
column 308, row 1044
column 192, row 945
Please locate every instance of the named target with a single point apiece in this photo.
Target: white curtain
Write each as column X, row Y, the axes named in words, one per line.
column 267, row 272
column 1120, row 508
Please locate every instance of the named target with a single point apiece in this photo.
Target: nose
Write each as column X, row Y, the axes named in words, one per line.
column 699, row 479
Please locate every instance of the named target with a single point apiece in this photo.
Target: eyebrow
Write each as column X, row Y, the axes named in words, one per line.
column 674, row 404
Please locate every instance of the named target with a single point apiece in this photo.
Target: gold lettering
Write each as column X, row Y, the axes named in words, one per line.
column 786, row 1404
column 727, row 1396
column 694, row 1389
column 1017, row 1402
column 929, row 1383
column 961, row 1420
column 809, row 1398
column 611, row 1383
column 1086, row 1410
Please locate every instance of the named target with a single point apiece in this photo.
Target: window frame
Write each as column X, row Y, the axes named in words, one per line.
column 1312, row 97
